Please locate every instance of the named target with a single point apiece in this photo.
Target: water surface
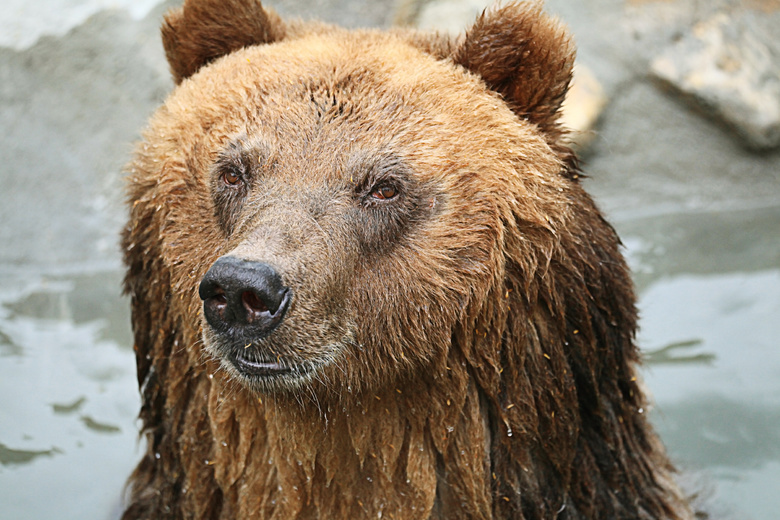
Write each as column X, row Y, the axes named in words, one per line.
column 68, row 397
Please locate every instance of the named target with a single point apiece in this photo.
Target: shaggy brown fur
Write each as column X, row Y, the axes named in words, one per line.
column 459, row 347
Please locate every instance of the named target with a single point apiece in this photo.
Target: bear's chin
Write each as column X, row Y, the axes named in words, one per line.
column 261, row 374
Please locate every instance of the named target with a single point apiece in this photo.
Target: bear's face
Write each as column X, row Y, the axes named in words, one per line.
column 352, row 199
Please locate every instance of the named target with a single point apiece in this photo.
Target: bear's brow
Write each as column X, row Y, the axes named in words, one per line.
column 244, row 152
column 363, row 164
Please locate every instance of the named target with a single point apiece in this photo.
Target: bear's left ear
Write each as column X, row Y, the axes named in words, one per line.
column 524, row 55
column 203, row 30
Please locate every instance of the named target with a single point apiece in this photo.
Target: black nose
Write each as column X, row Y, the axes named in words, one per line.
column 243, row 297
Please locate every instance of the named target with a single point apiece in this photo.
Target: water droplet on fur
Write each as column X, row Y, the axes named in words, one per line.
column 298, row 462
column 450, row 429
column 349, row 389
column 157, row 455
column 508, row 431
column 369, row 479
column 224, row 444
column 641, row 410
column 270, row 461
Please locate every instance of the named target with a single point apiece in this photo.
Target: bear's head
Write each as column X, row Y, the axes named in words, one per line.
column 344, row 202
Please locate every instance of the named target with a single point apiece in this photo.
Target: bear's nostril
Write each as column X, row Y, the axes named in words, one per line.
column 253, row 304
column 216, row 304
column 219, row 299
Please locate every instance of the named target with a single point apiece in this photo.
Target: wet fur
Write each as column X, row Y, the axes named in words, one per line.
column 473, row 340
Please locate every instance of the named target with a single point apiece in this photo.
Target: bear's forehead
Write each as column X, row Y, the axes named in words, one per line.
column 369, row 59
column 332, row 97
column 379, row 73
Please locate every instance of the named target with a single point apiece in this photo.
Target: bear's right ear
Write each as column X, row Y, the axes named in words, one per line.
column 203, row 30
column 524, row 55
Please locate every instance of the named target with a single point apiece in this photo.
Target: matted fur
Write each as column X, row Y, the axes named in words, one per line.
column 472, row 338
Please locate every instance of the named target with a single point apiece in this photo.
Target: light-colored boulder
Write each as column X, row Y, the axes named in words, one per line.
column 730, row 65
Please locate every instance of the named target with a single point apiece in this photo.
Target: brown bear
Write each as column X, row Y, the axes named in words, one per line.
column 367, row 283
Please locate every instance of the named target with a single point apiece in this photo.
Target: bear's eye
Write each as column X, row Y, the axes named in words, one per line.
column 231, row 178
column 384, row 192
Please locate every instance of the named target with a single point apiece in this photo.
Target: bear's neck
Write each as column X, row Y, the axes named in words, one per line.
column 373, row 454
column 433, row 447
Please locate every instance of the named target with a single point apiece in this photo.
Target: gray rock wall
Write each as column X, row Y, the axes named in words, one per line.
column 70, row 108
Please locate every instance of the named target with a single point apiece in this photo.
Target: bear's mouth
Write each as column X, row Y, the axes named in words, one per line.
column 264, row 366
column 254, row 368
column 258, row 370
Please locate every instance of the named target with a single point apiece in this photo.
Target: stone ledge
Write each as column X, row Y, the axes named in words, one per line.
column 730, row 66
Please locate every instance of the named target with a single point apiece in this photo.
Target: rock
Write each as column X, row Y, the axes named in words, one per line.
column 70, row 109
column 24, row 22
column 584, row 104
column 346, row 13
column 730, row 65
column 451, row 16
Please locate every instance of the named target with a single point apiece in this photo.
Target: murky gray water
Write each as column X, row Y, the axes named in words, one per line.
column 710, row 302
column 68, row 397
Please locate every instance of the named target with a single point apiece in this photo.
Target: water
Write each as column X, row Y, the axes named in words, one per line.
column 710, row 313
column 710, row 303
column 68, row 397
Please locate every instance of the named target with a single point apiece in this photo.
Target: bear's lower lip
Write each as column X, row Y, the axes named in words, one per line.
column 259, row 368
